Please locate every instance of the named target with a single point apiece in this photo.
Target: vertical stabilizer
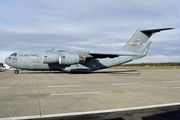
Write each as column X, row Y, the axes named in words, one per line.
column 146, row 49
column 139, row 39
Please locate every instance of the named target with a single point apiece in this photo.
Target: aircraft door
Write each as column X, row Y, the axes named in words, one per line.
column 14, row 60
column 26, row 64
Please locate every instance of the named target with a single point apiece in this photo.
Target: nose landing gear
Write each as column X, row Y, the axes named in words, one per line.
column 16, row 71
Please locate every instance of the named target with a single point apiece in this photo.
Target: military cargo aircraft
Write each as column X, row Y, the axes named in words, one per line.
column 83, row 62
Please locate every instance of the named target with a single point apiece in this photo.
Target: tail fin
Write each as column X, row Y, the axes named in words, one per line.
column 145, row 49
column 139, row 39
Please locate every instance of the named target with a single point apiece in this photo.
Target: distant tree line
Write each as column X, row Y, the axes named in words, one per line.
column 154, row 64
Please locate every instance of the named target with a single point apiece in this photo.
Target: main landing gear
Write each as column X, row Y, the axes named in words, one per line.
column 16, row 71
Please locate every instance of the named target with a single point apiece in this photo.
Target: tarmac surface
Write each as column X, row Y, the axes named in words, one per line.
column 45, row 93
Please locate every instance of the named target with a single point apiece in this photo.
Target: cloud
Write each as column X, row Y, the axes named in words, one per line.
column 157, row 59
column 88, row 25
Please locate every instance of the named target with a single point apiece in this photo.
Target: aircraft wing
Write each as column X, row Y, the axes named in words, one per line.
column 110, row 54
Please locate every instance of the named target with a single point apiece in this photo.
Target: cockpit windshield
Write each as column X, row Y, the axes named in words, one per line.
column 14, row 54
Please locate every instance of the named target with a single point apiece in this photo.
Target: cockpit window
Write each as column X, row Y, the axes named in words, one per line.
column 14, row 54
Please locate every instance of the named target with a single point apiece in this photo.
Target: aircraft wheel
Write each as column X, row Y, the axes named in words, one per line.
column 16, row 71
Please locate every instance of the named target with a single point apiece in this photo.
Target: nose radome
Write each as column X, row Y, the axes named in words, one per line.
column 7, row 60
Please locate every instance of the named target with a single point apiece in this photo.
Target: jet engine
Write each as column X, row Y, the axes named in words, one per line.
column 64, row 59
column 69, row 58
column 51, row 58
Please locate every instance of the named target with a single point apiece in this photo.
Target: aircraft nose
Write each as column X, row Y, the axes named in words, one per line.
column 7, row 60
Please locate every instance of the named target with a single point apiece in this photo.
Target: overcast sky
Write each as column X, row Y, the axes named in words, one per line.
column 85, row 25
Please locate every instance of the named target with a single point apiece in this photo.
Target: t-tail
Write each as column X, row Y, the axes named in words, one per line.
column 138, row 43
column 145, row 49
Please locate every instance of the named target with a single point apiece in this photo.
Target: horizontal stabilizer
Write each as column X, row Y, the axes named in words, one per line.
column 155, row 30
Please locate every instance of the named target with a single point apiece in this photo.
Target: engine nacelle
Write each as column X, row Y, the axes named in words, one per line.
column 51, row 58
column 69, row 58
column 63, row 59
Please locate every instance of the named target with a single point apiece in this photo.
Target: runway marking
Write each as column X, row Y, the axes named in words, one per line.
column 66, row 86
column 125, row 83
column 4, row 87
column 83, row 93
column 175, row 87
column 164, row 78
column 177, row 75
column 91, row 112
column 170, row 81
